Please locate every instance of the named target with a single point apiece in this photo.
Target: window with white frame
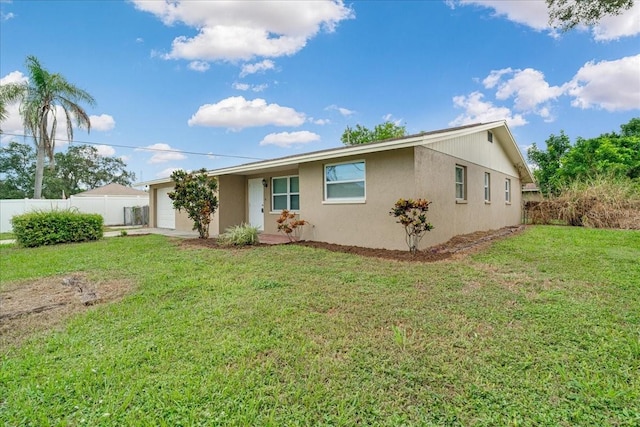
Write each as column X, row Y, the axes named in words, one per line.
column 487, row 187
column 507, row 190
column 461, row 178
column 345, row 181
column 285, row 193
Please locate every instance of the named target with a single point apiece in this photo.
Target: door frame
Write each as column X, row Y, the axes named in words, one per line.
column 255, row 194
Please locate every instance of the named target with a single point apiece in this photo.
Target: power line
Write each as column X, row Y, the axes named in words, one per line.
column 164, row 150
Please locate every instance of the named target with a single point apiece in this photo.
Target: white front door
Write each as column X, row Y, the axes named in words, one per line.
column 256, row 203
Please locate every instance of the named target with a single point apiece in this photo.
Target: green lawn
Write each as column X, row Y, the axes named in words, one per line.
column 7, row 235
column 541, row 329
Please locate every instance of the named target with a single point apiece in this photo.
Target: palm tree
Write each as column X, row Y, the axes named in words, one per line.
column 45, row 96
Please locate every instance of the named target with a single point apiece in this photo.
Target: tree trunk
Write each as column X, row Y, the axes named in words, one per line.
column 37, row 185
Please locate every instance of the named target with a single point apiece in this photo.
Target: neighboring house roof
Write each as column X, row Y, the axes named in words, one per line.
column 531, row 187
column 499, row 128
column 112, row 190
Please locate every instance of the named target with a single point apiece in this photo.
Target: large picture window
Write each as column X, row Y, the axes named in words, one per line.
column 345, row 181
column 461, row 191
column 285, row 193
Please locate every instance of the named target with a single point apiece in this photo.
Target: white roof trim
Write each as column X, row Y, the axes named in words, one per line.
column 356, row 150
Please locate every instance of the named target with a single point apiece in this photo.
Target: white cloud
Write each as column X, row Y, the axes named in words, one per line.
column 103, row 122
column 105, row 150
column 494, row 77
column 320, row 122
column 241, row 86
column 238, row 113
column 263, row 66
column 528, row 88
column 162, row 153
column 479, row 111
column 611, row 85
column 259, row 88
column 246, row 86
column 7, row 16
column 288, row 139
column 139, row 40
column 626, row 24
column 344, row 111
column 200, row 66
column 14, row 77
column 389, row 118
column 532, row 13
column 242, row 30
column 166, row 173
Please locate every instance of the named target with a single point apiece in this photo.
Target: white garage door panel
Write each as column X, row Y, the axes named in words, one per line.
column 166, row 215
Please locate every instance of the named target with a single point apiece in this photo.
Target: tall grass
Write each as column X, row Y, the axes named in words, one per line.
column 600, row 202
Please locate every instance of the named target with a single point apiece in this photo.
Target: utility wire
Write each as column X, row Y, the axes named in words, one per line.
column 145, row 148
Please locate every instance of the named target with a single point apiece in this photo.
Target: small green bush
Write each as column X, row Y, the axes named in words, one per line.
column 50, row 228
column 239, row 235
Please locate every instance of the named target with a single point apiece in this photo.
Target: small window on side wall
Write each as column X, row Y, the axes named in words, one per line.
column 489, row 136
column 461, row 178
column 345, row 182
column 507, row 190
column 487, row 187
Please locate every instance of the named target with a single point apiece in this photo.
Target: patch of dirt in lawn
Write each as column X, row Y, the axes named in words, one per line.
column 28, row 307
column 456, row 247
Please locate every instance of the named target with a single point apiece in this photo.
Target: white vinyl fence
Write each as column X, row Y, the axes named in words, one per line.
column 110, row 207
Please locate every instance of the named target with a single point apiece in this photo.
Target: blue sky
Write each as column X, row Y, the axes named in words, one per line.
column 259, row 79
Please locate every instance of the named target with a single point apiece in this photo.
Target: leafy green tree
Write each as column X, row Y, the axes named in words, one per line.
column 363, row 135
column 83, row 168
column 195, row 192
column 16, row 171
column 78, row 169
column 608, row 155
column 45, row 94
column 632, row 128
column 567, row 14
column 548, row 163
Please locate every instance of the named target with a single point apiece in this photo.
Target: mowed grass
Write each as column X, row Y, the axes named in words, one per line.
column 541, row 329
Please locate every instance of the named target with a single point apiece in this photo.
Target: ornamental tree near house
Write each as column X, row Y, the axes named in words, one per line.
column 412, row 214
column 195, row 192
column 289, row 225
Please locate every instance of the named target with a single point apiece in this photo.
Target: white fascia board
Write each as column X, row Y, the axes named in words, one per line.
column 355, row 150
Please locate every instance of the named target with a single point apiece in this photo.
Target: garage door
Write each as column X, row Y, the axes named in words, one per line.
column 166, row 215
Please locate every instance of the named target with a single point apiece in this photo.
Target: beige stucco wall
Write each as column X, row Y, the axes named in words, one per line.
column 389, row 176
column 232, row 201
column 435, row 180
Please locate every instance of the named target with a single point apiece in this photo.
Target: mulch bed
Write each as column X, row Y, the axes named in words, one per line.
column 460, row 244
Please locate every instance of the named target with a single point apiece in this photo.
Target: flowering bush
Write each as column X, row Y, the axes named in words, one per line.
column 412, row 214
column 288, row 224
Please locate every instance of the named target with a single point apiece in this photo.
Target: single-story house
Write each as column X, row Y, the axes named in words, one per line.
column 472, row 174
column 112, row 189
